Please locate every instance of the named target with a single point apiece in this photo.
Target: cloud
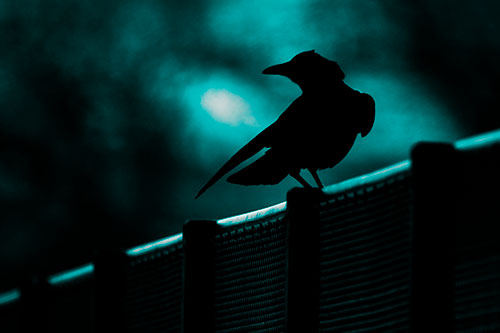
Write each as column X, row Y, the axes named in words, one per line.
column 227, row 107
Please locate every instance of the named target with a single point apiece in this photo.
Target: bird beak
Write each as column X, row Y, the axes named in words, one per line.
column 281, row 69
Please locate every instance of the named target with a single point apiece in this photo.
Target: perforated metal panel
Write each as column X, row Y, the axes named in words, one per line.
column 365, row 258
column 250, row 276
column 477, row 251
column 153, row 287
column 477, row 293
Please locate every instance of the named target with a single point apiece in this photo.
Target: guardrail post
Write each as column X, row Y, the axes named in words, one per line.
column 302, row 286
column 34, row 314
column 434, row 169
column 109, row 291
column 198, row 238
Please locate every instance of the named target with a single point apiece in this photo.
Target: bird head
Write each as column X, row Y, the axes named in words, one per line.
column 308, row 68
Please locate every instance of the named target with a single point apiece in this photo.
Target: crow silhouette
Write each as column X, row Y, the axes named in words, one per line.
column 315, row 132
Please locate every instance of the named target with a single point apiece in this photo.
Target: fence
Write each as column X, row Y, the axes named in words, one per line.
column 407, row 248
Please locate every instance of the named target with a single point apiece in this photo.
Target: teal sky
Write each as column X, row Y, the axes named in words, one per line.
column 115, row 113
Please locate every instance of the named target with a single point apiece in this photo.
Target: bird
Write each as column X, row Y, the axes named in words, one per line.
column 315, row 132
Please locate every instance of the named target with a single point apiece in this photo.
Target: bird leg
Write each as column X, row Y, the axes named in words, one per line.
column 316, row 178
column 301, row 180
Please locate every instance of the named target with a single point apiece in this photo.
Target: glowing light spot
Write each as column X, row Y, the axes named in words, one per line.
column 9, row 297
column 227, row 108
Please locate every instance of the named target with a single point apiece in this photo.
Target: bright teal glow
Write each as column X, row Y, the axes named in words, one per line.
column 279, row 28
column 227, row 107
column 9, row 297
column 71, row 274
column 142, row 249
column 224, row 111
column 253, row 215
column 479, row 140
column 407, row 112
column 369, row 178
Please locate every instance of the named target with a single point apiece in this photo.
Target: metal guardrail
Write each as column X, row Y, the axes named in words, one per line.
column 150, row 252
column 464, row 144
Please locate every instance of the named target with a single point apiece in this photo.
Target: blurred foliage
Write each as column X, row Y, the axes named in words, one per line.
column 105, row 139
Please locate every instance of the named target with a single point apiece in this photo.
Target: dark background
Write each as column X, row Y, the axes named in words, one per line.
column 114, row 113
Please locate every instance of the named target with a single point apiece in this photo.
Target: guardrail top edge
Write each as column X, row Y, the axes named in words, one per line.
column 366, row 179
column 253, row 216
column 479, row 140
column 9, row 297
column 370, row 178
column 154, row 245
column 71, row 274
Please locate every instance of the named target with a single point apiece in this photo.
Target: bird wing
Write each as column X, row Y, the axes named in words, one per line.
column 366, row 107
column 265, row 139
column 362, row 106
column 267, row 170
column 258, row 143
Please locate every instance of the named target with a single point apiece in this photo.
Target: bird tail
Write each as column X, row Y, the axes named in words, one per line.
column 267, row 170
column 247, row 151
